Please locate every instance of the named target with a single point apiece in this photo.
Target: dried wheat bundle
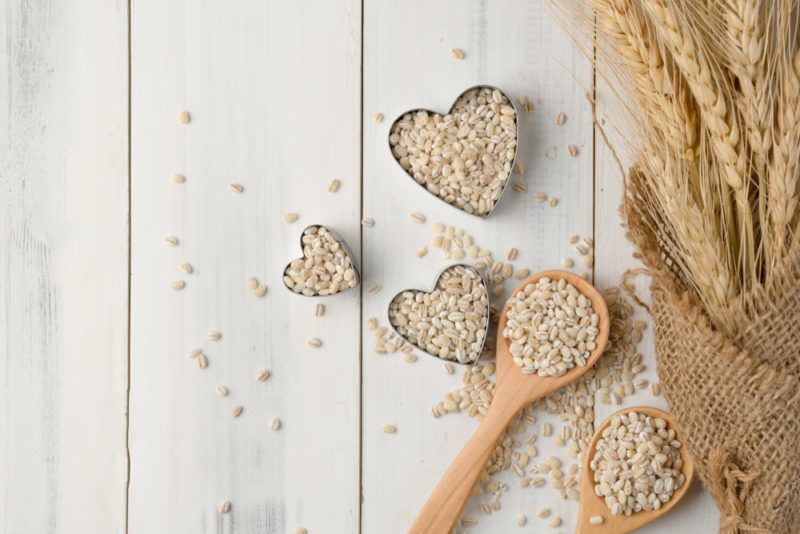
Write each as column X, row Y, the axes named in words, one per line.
column 712, row 93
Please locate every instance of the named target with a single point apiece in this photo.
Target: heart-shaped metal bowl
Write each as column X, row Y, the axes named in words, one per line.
column 343, row 246
column 452, row 107
column 435, row 286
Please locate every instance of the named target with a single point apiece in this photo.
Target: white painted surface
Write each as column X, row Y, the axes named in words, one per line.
column 275, row 91
column 63, row 266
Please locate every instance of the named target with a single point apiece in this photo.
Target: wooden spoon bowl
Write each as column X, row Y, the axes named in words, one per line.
column 592, row 505
column 513, row 391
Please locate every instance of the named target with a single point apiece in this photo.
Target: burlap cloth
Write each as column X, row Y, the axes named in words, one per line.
column 736, row 398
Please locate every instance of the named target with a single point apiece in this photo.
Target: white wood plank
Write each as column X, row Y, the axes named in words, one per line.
column 407, row 64
column 274, row 93
column 63, row 266
column 614, row 255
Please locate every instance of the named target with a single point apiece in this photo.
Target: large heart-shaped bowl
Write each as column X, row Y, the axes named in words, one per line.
column 454, row 329
column 336, row 273
column 462, row 158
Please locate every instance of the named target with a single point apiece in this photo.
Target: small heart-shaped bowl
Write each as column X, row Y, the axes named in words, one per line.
column 452, row 107
column 435, row 285
column 343, row 246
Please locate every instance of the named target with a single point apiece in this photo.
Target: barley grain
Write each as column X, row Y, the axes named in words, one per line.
column 319, row 310
column 186, row 268
column 512, row 254
column 260, row 291
column 374, row 288
column 520, row 186
column 221, row 390
column 236, row 188
column 457, row 53
column 552, row 202
column 378, row 117
column 300, row 530
column 171, row 240
column 178, row 178
column 289, row 218
column 202, row 361
column 314, row 342
column 448, row 368
column 543, row 512
column 236, row 411
column 334, row 186
column 561, row 118
column 521, row 520
column 540, row 197
column 573, row 150
column 555, row 522
column 596, row 520
column 214, row 335
column 389, row 429
column 224, row 507
column 418, row 218
column 275, row 424
column 567, row 262
column 262, row 375
column 421, row 252
column 252, row 282
column 184, row 117
column 178, row 285
column 367, row 222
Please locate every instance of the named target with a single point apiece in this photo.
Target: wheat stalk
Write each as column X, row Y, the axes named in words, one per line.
column 712, row 89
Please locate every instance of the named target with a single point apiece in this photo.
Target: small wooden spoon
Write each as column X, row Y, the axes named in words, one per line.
column 513, row 391
column 592, row 505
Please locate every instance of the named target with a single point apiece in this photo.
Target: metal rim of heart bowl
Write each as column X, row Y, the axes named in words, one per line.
column 513, row 160
column 345, row 247
column 433, row 288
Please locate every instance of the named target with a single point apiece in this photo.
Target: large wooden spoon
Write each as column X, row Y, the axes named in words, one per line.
column 513, row 391
column 593, row 506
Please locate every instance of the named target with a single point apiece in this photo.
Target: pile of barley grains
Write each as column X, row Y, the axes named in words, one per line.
column 324, row 269
column 612, row 378
column 637, row 464
column 551, row 327
column 463, row 157
column 451, row 321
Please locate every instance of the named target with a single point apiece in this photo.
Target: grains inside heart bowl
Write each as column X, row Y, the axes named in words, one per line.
column 464, row 157
column 551, row 327
column 326, row 267
column 451, row 321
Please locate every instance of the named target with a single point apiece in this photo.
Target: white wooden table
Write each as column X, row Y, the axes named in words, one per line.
column 106, row 426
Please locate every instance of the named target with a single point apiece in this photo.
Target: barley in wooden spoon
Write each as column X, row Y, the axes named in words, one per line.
column 513, row 391
column 611, row 501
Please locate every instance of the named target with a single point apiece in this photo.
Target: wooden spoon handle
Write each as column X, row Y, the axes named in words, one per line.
column 444, row 505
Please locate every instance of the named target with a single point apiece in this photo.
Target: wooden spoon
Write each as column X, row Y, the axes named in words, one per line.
column 592, row 505
column 513, row 391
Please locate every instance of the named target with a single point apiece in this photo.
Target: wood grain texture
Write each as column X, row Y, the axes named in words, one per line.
column 274, row 94
column 63, row 266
